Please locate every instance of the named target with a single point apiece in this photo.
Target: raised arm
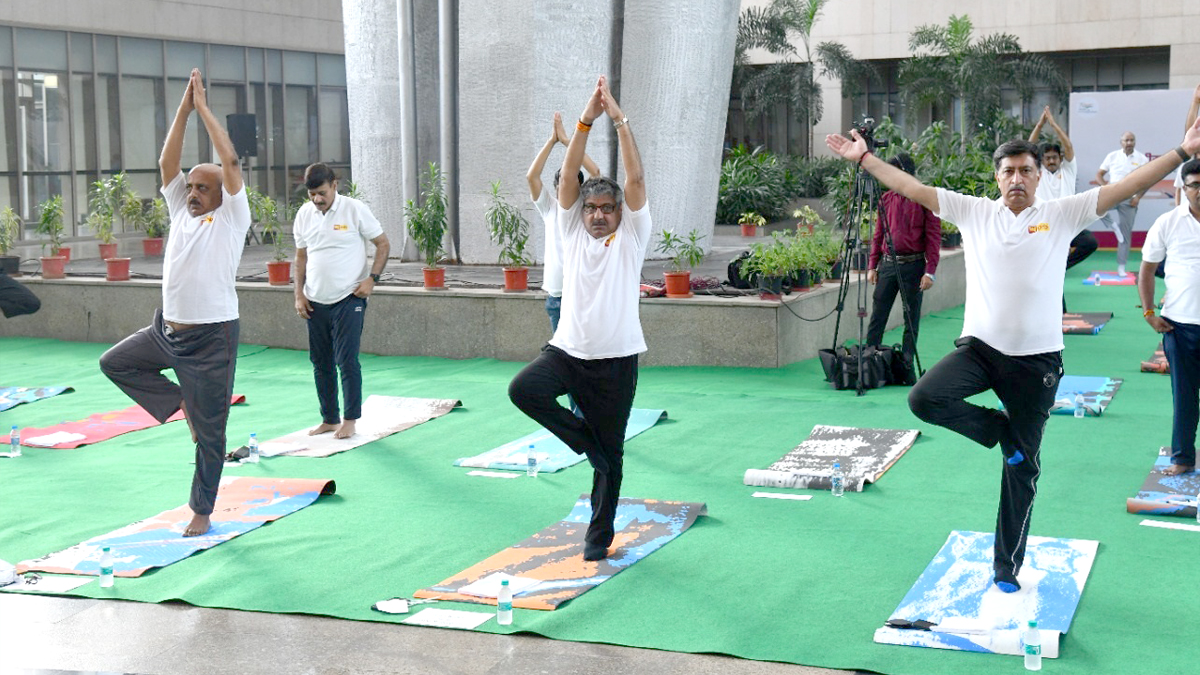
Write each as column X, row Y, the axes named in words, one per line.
column 534, row 175
column 568, row 179
column 631, row 159
column 1148, row 174
column 590, row 166
column 1037, row 128
column 895, row 179
column 1068, row 149
column 231, row 167
column 172, row 152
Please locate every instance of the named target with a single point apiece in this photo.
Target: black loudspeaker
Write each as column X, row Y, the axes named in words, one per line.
column 243, row 131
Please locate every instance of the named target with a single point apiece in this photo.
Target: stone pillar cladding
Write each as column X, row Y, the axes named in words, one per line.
column 519, row 62
column 676, row 66
column 373, row 94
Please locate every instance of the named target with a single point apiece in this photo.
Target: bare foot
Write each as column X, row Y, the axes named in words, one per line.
column 182, row 408
column 198, row 526
column 323, row 428
column 1176, row 469
column 346, row 430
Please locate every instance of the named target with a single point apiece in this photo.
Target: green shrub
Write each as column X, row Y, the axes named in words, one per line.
column 754, row 180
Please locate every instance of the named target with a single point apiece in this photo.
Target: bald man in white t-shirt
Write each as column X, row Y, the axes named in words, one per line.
column 196, row 331
column 593, row 355
column 1011, row 343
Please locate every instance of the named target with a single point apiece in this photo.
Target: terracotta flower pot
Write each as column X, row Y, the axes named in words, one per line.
column 748, row 229
column 63, row 251
column 152, row 246
column 679, row 284
column 54, row 267
column 116, row 269
column 516, row 279
column 279, row 272
column 108, row 251
column 435, row 278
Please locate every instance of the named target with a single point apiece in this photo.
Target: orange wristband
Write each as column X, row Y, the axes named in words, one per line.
column 580, row 125
column 1147, row 314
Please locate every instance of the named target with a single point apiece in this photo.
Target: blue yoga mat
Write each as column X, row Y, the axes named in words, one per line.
column 11, row 397
column 553, row 455
column 1097, row 394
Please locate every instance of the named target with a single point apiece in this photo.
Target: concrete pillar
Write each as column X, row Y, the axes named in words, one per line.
column 676, row 68
column 518, row 64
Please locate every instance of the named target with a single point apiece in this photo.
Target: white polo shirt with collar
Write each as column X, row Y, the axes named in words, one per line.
column 1059, row 184
column 337, row 247
column 1176, row 235
column 1119, row 165
column 1015, row 265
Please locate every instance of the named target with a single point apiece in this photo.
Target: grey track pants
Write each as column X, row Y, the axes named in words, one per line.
column 203, row 359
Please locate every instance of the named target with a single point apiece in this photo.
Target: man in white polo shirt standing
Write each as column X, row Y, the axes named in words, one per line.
column 1176, row 235
column 332, row 287
column 593, row 354
column 1016, row 253
column 1116, row 166
column 196, row 331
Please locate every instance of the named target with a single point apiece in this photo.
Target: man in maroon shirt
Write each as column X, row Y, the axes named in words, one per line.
column 916, row 235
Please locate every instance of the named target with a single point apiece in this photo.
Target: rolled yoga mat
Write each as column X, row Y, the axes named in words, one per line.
column 864, row 454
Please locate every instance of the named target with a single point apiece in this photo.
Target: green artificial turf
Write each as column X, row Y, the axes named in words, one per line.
column 802, row 582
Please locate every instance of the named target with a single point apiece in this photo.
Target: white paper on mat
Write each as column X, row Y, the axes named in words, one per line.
column 47, row 584
column 1170, row 526
column 489, row 586
column 54, row 439
column 494, row 474
column 272, row 448
column 780, row 495
column 448, row 618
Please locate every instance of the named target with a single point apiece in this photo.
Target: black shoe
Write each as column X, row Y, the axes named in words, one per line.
column 594, row 552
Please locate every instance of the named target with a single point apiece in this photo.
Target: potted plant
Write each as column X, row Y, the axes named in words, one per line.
column 426, row 223
column 686, row 253
column 510, row 231
column 10, row 232
column 951, row 237
column 110, row 198
column 808, row 219
column 770, row 264
column 50, row 224
column 264, row 212
column 157, row 221
column 750, row 221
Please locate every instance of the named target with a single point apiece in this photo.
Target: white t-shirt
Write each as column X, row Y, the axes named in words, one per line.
column 601, row 285
column 202, row 255
column 552, row 273
column 1015, row 267
column 1118, row 164
column 337, row 247
column 1176, row 235
column 1059, row 184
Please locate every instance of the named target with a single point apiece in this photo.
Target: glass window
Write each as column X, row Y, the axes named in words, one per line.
column 83, row 117
column 41, row 49
column 331, row 69
column 143, row 119
column 5, row 48
column 274, row 66
column 259, row 96
column 182, row 57
column 8, row 123
column 106, row 54
column 141, row 57
column 108, row 123
column 254, row 64
column 37, row 188
column 42, row 109
column 226, row 63
column 335, row 126
column 81, row 52
column 299, row 68
column 301, row 125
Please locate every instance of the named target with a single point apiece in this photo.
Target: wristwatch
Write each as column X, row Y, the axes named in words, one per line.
column 374, row 277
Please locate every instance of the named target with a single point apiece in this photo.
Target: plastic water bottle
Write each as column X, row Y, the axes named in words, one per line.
column 1079, row 405
column 504, row 604
column 252, row 446
column 1032, row 640
column 106, row 568
column 14, row 441
column 837, row 480
column 531, row 469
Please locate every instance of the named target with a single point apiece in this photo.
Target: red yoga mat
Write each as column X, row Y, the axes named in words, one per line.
column 102, row 426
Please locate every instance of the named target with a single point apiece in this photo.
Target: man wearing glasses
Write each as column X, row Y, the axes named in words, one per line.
column 1176, row 234
column 1011, row 343
column 604, row 232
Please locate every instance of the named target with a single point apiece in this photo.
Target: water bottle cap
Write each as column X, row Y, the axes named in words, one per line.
column 253, row 435
column 837, row 465
column 106, row 549
column 504, row 582
column 1033, row 623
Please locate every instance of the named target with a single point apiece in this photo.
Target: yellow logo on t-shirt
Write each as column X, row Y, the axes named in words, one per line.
column 208, row 219
column 1040, row 227
column 340, row 227
column 610, row 239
